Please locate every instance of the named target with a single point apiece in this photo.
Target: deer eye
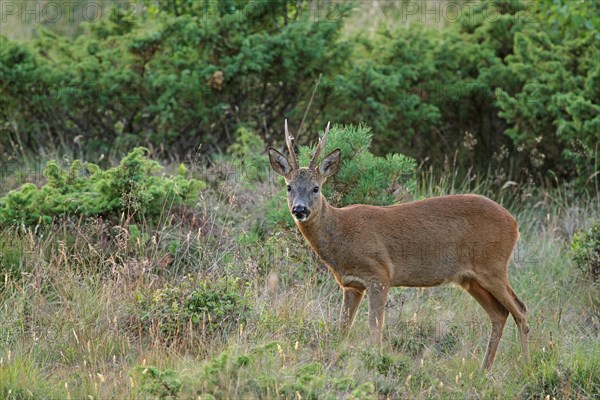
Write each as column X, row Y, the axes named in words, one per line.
column 316, row 189
column 289, row 188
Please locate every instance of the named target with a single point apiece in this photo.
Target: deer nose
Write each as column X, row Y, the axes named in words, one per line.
column 300, row 211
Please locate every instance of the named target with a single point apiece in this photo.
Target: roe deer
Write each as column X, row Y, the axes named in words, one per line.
column 464, row 239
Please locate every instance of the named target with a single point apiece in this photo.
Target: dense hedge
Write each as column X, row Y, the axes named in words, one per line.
column 523, row 83
column 175, row 80
column 518, row 91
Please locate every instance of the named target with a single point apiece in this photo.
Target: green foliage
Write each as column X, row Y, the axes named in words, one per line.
column 585, row 251
column 365, row 391
column 556, row 108
column 218, row 370
column 83, row 189
column 386, row 364
column 248, row 151
column 307, row 382
column 216, row 305
column 175, row 76
column 384, row 91
column 362, row 177
column 524, row 83
column 571, row 19
column 426, row 90
column 161, row 384
column 343, row 384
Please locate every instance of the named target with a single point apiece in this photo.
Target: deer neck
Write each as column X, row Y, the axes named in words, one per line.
column 321, row 231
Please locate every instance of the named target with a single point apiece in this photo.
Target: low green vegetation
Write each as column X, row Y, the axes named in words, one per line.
column 84, row 189
column 212, row 307
column 156, row 383
column 585, row 250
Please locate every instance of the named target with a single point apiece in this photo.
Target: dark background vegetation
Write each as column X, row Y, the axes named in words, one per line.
column 509, row 85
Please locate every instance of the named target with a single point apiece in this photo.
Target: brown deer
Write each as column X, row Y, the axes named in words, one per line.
column 462, row 239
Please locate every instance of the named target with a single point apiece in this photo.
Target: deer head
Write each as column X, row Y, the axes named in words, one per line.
column 304, row 184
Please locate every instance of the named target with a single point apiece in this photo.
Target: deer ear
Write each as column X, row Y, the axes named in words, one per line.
column 279, row 162
column 330, row 164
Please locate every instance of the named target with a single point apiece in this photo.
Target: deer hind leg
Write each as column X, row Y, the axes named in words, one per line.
column 505, row 295
column 377, row 294
column 350, row 303
column 497, row 313
column 522, row 324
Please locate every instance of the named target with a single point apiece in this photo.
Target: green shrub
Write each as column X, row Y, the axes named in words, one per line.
column 386, row 364
column 365, row 391
column 585, row 251
column 344, row 383
column 83, row 189
column 555, row 110
column 259, row 374
column 248, row 153
column 216, row 305
column 523, row 83
column 163, row 384
column 362, row 177
column 175, row 76
column 430, row 93
column 218, row 371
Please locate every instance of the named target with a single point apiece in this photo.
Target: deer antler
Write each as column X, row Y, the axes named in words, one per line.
column 290, row 146
column 320, row 147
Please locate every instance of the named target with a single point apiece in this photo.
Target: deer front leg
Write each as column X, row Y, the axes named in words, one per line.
column 351, row 301
column 377, row 293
